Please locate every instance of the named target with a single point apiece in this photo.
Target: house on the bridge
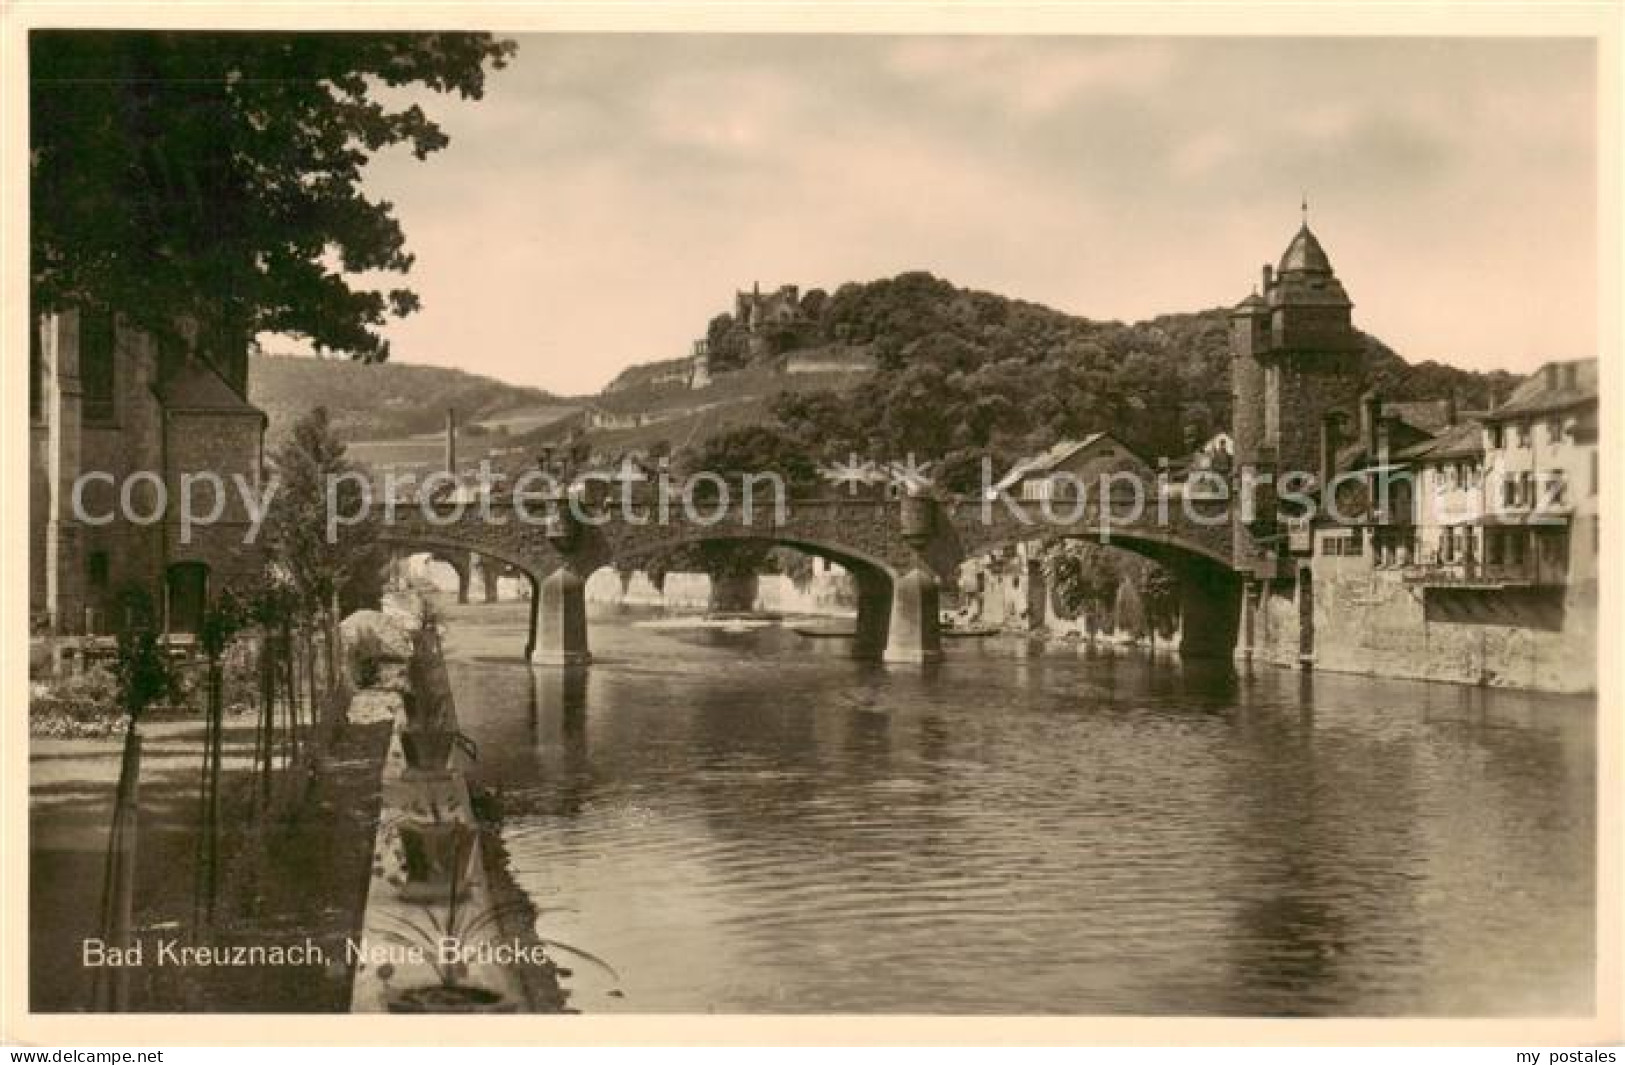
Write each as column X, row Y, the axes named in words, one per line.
column 1204, row 473
column 1070, row 466
column 118, row 406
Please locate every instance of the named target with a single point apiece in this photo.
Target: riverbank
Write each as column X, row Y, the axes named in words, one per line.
column 416, row 896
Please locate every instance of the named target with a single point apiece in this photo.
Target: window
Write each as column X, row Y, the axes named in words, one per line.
column 1554, row 430
column 96, row 570
column 1342, row 545
column 1557, row 489
column 96, row 335
column 1495, row 436
column 1522, row 429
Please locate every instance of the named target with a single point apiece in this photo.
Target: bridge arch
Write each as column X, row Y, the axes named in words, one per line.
column 1209, row 587
column 457, row 552
column 449, row 547
column 874, row 577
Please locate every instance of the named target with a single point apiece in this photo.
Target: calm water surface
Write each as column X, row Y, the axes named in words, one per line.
column 755, row 822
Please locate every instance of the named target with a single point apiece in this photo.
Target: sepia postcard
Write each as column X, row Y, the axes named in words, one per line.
column 1054, row 523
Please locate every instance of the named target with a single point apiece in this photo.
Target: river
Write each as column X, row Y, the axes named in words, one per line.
column 756, row 822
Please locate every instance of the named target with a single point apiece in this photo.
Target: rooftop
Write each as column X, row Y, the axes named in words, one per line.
column 198, row 386
column 1048, row 460
column 1465, row 440
column 1304, row 277
column 1556, row 386
column 1305, row 254
column 1429, row 415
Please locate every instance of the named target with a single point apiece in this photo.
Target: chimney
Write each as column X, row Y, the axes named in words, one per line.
column 1370, row 418
column 1550, row 373
column 1571, row 375
column 451, row 441
column 1330, row 424
column 1269, row 278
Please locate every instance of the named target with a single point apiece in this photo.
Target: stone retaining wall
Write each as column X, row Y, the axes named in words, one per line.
column 1373, row 622
column 486, row 910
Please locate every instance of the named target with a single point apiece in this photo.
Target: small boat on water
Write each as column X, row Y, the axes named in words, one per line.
column 827, row 632
column 696, row 622
column 823, row 632
column 968, row 631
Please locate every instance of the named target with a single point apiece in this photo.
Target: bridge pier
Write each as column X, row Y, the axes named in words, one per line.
column 559, row 620
column 914, row 633
column 535, row 618
column 1209, row 613
column 1250, row 593
column 488, row 578
column 874, row 613
column 460, row 567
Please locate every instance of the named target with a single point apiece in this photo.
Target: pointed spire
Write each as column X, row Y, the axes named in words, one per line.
column 1304, row 253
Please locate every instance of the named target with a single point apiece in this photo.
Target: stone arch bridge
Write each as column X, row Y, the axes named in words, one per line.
column 895, row 548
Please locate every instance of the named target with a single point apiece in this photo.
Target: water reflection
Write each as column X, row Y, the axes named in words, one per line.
column 750, row 822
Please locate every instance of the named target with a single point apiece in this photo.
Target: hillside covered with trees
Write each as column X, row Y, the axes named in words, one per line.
column 964, row 374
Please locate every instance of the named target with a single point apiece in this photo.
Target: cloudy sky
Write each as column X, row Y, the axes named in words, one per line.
column 610, row 193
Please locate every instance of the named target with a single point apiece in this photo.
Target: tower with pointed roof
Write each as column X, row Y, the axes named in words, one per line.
column 1295, row 358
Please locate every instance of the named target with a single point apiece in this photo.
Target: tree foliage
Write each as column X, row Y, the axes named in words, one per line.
column 216, row 176
column 144, row 674
column 965, row 376
column 314, row 477
column 1083, row 577
column 751, row 449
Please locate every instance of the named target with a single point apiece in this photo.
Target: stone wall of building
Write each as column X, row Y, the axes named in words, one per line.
column 121, row 553
column 226, row 444
column 1371, row 621
column 39, row 505
column 127, row 460
column 1303, row 393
